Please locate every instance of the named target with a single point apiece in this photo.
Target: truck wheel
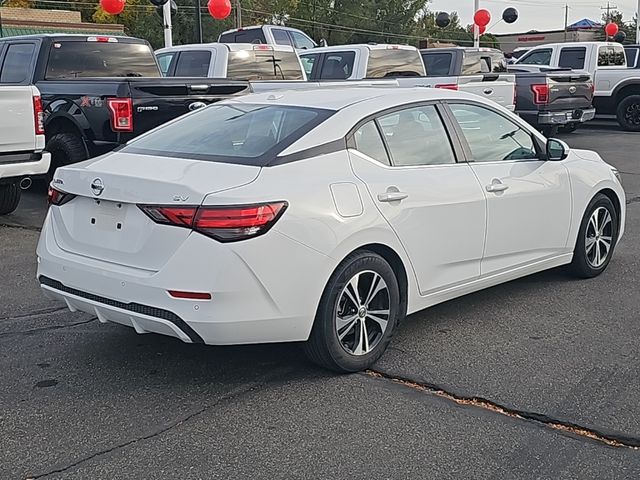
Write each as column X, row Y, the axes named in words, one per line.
column 550, row 131
column 9, row 197
column 65, row 149
column 628, row 113
column 569, row 128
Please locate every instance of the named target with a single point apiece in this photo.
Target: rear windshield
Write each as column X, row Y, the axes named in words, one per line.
column 394, row 62
column 231, row 133
column 264, row 65
column 437, row 64
column 101, row 59
column 254, row 35
column 476, row 63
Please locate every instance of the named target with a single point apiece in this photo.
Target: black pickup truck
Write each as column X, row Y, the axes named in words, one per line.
column 99, row 92
column 547, row 100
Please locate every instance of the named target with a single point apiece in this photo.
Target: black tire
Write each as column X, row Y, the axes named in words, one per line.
column 628, row 113
column 569, row 128
column 10, row 194
column 582, row 265
column 65, row 149
column 550, row 131
column 324, row 347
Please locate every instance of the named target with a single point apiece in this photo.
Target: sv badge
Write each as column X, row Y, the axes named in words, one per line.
column 180, row 198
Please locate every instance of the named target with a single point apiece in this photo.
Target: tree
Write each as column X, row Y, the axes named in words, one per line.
column 617, row 17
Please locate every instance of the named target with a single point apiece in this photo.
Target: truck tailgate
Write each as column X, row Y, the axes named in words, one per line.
column 17, row 122
column 569, row 91
column 497, row 87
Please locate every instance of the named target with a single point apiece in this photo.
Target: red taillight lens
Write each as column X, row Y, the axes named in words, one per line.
column 540, row 94
column 38, row 115
column 225, row 224
column 57, row 197
column 121, row 110
column 448, row 86
column 190, row 295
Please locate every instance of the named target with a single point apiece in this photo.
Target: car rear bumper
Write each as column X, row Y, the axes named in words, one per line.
column 34, row 164
column 252, row 301
column 565, row 117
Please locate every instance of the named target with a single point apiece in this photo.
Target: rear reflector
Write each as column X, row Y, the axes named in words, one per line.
column 447, row 86
column 222, row 223
column 190, row 295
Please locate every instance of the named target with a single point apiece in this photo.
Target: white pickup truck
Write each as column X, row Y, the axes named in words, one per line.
column 21, row 142
column 404, row 64
column 617, row 88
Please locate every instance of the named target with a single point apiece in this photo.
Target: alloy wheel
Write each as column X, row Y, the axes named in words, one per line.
column 599, row 236
column 632, row 114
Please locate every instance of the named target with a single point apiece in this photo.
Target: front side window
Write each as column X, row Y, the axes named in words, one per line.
column 193, row 64
column 281, row 37
column 394, row 62
column 572, row 58
column 231, row 133
column 17, row 63
column 302, row 42
column 611, row 56
column 265, row 64
column 437, row 64
column 417, row 136
column 368, row 141
column 492, row 137
column 338, row 65
column 537, row 57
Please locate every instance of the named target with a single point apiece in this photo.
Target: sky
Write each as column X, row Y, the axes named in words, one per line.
column 534, row 14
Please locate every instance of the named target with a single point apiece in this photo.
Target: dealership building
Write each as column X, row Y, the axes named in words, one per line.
column 583, row 31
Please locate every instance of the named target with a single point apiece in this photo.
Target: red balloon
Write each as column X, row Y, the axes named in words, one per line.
column 611, row 29
column 482, row 17
column 219, row 9
column 112, row 7
column 482, row 29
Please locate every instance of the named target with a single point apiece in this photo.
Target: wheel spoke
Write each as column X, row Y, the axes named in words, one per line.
column 365, row 337
column 348, row 328
column 377, row 285
column 357, row 349
column 342, row 322
column 596, row 260
column 605, row 221
column 354, row 295
column 594, row 221
column 380, row 321
column 591, row 241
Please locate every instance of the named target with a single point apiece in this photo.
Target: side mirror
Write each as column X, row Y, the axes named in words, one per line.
column 323, row 42
column 557, row 150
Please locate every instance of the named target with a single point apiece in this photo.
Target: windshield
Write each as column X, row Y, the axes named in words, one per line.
column 101, row 59
column 231, row 133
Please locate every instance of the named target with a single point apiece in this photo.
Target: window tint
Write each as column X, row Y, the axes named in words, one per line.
column 254, row 35
column 416, row 136
column 368, row 141
column 537, row 57
column 394, row 62
column 308, row 61
column 281, row 36
column 263, row 65
column 231, row 133
column 193, row 64
column 611, row 56
column 483, row 62
column 437, row 64
column 492, row 137
column 101, row 59
column 17, row 63
column 302, row 41
column 164, row 60
column 337, row 65
column 572, row 58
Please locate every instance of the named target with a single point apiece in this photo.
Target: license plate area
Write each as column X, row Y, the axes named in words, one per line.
column 107, row 216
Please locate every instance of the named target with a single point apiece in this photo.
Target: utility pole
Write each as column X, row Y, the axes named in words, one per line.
column 166, row 17
column 608, row 8
column 238, row 14
column 566, row 20
column 476, row 30
column 198, row 22
column 638, row 23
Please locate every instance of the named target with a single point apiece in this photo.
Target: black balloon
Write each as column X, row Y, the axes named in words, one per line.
column 510, row 15
column 443, row 19
column 158, row 3
column 619, row 37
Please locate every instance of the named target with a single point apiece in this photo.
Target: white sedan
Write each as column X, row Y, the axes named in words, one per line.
column 321, row 216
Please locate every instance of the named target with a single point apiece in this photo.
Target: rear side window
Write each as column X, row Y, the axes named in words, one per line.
column 368, row 141
column 632, row 56
column 308, row 61
column 612, row 56
column 17, row 63
column 437, row 64
column 231, row 133
column 255, row 35
column 302, row 42
column 164, row 60
column 537, row 57
column 281, row 37
column 100, row 59
column 572, row 58
column 476, row 63
column 394, row 62
column 193, row 64
column 263, row 65
column 337, row 65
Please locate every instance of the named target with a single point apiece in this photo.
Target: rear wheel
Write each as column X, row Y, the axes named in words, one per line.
column 65, row 149
column 550, row 131
column 10, row 194
column 596, row 238
column 628, row 113
column 569, row 128
column 357, row 315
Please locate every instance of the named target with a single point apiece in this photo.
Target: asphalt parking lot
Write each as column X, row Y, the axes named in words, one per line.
column 537, row 378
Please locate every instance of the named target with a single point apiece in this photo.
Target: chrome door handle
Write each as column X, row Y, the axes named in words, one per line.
column 392, row 196
column 496, row 187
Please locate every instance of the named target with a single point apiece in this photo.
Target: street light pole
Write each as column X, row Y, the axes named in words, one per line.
column 638, row 23
column 166, row 19
column 476, row 29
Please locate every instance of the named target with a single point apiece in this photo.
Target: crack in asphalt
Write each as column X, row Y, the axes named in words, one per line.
column 44, row 329
column 37, row 313
column 611, row 440
column 21, row 227
column 236, row 392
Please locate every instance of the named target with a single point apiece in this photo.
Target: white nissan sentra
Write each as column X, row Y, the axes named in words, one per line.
column 322, row 216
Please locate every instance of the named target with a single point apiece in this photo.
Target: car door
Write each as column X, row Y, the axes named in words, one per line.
column 528, row 199
column 434, row 204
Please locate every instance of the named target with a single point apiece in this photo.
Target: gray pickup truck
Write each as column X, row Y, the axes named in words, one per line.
column 548, row 100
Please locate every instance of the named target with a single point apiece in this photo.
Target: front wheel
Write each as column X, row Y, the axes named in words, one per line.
column 357, row 315
column 10, row 194
column 628, row 113
column 596, row 238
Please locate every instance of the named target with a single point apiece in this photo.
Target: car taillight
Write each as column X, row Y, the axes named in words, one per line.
column 38, row 115
column 540, row 94
column 121, row 111
column 58, row 197
column 447, row 86
column 222, row 223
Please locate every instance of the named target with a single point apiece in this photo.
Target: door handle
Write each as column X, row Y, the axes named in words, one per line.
column 496, row 187
column 392, row 196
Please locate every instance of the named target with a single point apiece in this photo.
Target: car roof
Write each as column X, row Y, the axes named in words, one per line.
column 254, row 27
column 71, row 36
column 370, row 46
column 232, row 47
